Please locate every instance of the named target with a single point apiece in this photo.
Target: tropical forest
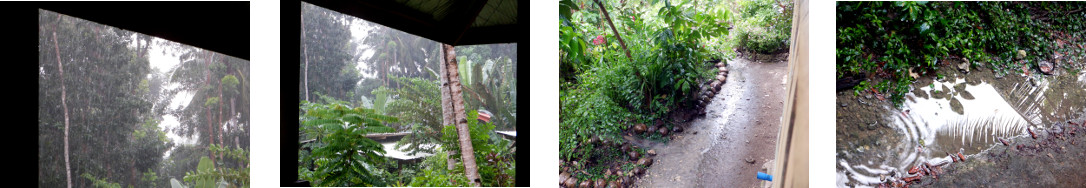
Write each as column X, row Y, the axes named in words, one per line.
column 376, row 107
column 670, row 93
column 123, row 109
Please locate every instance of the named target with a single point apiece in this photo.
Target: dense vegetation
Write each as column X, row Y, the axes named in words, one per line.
column 104, row 104
column 361, row 78
column 623, row 63
column 890, row 41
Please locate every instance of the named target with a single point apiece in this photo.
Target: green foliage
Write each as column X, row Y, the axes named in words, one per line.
column 584, row 116
column 149, row 178
column 434, row 174
column 765, row 26
column 492, row 154
column 342, row 155
column 207, row 175
column 418, row 106
column 101, row 183
column 603, row 91
column 887, row 39
column 229, row 83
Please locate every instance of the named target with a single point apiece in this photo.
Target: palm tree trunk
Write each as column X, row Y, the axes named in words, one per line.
column 452, row 98
column 608, row 17
column 446, row 105
column 63, row 102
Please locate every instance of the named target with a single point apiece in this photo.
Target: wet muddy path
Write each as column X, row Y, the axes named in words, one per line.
column 967, row 113
column 735, row 138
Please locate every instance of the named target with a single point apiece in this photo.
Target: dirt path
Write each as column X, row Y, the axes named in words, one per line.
column 741, row 123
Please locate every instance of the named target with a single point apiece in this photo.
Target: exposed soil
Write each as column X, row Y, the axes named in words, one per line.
column 736, row 137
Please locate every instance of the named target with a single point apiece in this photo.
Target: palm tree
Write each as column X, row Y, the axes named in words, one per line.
column 453, row 108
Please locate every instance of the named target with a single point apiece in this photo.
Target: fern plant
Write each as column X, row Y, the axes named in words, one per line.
column 343, row 156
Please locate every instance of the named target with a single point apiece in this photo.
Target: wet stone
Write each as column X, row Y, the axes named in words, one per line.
column 645, row 162
column 571, row 182
column 634, row 154
column 1045, row 67
column 586, row 184
column 563, row 177
column 956, row 106
column 966, row 95
column 601, row 183
column 640, row 128
column 652, row 152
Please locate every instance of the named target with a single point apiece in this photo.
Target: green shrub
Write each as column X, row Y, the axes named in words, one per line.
column 343, row 157
column 887, row 39
column 493, row 158
column 765, row 26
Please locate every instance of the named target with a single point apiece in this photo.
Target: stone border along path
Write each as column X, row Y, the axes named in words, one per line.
column 708, row 91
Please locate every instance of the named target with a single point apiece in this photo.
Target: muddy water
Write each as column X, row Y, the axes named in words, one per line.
column 963, row 112
column 741, row 123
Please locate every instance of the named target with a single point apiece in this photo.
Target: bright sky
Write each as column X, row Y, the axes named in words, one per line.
column 165, row 62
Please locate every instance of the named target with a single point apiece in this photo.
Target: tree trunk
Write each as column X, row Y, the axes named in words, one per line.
column 446, row 106
column 63, row 102
column 207, row 113
column 305, row 53
column 453, row 108
column 219, row 124
column 608, row 17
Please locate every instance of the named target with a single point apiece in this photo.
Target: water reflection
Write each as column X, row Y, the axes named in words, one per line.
column 945, row 117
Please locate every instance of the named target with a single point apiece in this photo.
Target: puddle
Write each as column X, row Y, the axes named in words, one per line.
column 957, row 115
column 964, row 113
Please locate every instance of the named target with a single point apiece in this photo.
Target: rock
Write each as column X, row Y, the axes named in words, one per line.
column 663, row 131
column 652, row 152
column 677, row 129
column 1046, row 67
column 645, row 162
column 571, row 182
column 750, row 160
column 653, row 128
column 964, row 66
column 1021, row 54
column 713, row 85
column 634, row 154
column 601, row 183
column 640, row 128
column 723, row 69
column 638, row 171
column 586, row 184
column 563, row 177
column 625, row 147
column 720, row 77
column 615, row 184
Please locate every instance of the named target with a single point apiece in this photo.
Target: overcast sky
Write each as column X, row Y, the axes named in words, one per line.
column 164, row 62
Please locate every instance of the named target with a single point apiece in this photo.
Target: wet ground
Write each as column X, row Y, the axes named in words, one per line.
column 968, row 113
column 734, row 140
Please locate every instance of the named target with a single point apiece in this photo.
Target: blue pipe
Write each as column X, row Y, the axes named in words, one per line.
column 764, row 176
